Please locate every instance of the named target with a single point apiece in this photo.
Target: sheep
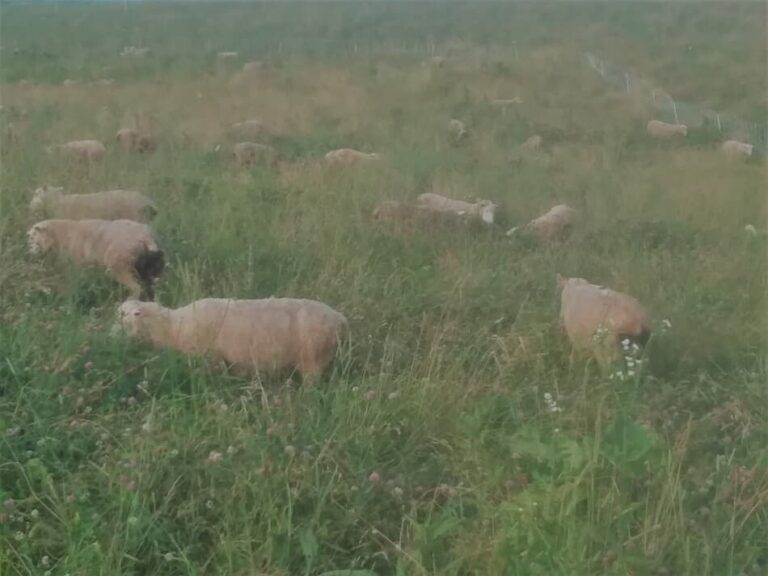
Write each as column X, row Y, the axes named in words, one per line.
column 51, row 201
column 736, row 149
column 132, row 51
column 457, row 130
column 255, row 337
column 347, row 157
column 532, row 144
column 555, row 224
column 600, row 319
column 483, row 209
column 135, row 140
column 250, row 128
column 252, row 67
column 127, row 250
column 250, row 154
column 406, row 217
column 227, row 55
column 659, row 129
column 83, row 150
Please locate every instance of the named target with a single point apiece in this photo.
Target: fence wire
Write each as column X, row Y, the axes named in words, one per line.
column 668, row 109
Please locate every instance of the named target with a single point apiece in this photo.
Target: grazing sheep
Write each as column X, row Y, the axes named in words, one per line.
column 659, row 129
column 227, row 55
column 736, row 149
column 254, row 336
column 51, row 202
column 250, row 154
column 533, row 144
column 598, row 318
column 408, row 218
column 483, row 209
column 83, row 150
column 126, row 249
column 135, row 140
column 347, row 157
column 132, row 51
column 457, row 130
column 252, row 67
column 555, row 224
column 249, row 128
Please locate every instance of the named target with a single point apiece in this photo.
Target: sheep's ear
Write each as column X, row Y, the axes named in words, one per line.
column 560, row 280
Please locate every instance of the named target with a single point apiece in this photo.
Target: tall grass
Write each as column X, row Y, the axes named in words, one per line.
column 431, row 448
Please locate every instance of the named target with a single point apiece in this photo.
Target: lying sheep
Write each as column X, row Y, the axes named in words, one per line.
column 600, row 319
column 83, row 150
column 736, row 149
column 248, row 154
column 348, row 156
column 51, row 202
column 555, row 224
column 482, row 209
column 126, row 249
column 135, row 140
column 659, row 129
column 254, row 336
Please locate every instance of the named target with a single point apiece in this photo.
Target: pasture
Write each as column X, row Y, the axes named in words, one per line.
column 457, row 433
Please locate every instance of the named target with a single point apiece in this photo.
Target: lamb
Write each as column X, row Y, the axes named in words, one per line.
column 736, row 149
column 555, row 224
column 600, row 319
column 483, row 209
column 348, row 156
column 51, row 201
column 250, row 154
column 127, row 250
column 135, row 140
column 253, row 336
column 659, row 129
column 83, row 150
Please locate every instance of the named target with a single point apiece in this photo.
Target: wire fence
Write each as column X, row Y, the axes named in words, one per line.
column 668, row 109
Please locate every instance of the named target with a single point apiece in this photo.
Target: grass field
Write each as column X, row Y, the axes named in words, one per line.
column 457, row 434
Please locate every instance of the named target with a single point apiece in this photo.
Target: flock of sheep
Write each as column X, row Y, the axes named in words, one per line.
column 110, row 230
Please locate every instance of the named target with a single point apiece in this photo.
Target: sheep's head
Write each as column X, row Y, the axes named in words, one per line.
column 39, row 238
column 132, row 317
column 41, row 195
column 487, row 211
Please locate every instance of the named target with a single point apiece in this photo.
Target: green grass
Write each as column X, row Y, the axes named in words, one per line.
column 430, row 448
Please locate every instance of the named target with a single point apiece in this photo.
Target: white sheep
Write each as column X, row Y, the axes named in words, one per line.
column 555, row 224
column 457, row 130
column 348, row 156
column 532, row 144
column 252, row 67
column 736, row 149
column 659, row 129
column 600, row 319
column 51, row 202
column 248, row 154
column 135, row 140
column 482, row 209
column 83, row 150
column 251, row 128
column 127, row 250
column 253, row 336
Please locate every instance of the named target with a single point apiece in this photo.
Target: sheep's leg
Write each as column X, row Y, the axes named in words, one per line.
column 128, row 279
